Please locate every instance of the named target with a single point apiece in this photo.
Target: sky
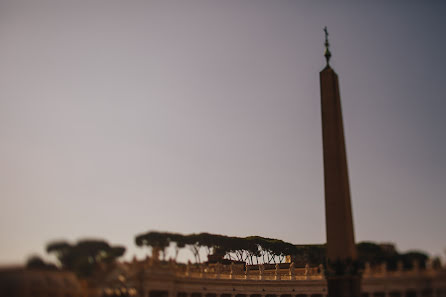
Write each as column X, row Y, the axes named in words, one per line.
column 119, row 117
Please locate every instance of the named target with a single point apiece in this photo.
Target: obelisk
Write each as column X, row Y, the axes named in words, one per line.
column 342, row 274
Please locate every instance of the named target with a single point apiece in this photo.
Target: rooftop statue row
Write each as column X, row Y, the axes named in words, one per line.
column 283, row 271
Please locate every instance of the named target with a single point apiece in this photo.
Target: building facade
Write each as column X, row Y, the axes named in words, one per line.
column 169, row 279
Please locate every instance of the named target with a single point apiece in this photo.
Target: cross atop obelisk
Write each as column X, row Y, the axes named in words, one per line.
column 342, row 274
column 327, row 53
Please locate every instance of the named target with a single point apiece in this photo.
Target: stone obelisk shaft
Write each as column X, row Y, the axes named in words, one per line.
column 338, row 213
column 343, row 278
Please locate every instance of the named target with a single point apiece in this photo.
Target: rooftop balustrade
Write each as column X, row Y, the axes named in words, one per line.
column 278, row 272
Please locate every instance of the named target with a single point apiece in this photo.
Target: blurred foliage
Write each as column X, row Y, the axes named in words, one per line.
column 35, row 262
column 375, row 254
column 85, row 256
column 370, row 252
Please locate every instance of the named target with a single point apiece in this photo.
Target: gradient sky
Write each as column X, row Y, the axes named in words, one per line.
column 118, row 117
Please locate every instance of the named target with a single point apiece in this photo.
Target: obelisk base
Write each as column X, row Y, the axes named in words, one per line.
column 344, row 286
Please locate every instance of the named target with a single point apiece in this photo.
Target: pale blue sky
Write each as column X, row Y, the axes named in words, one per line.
column 117, row 117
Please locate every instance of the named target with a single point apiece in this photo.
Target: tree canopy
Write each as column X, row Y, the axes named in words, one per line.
column 374, row 254
column 83, row 257
column 257, row 249
column 36, row 262
column 252, row 249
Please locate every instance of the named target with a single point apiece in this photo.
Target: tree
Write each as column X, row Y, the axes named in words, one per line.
column 193, row 242
column 62, row 249
column 35, row 262
column 155, row 240
column 412, row 257
column 85, row 256
column 375, row 254
column 179, row 241
column 253, row 249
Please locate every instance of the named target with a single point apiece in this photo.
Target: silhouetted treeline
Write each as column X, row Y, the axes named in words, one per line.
column 252, row 249
column 84, row 257
column 375, row 254
column 257, row 249
column 368, row 252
